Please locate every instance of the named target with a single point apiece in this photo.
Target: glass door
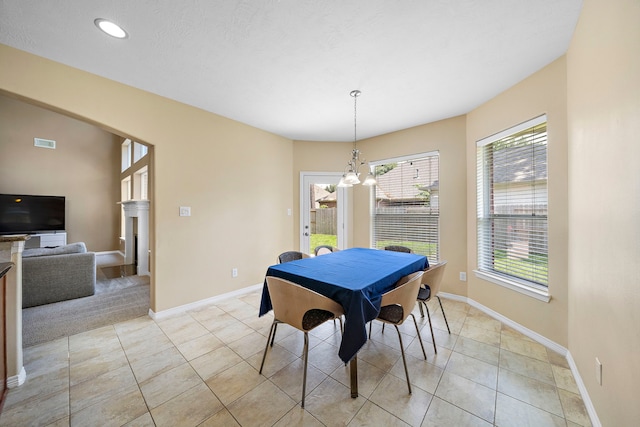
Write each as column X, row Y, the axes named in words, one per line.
column 322, row 205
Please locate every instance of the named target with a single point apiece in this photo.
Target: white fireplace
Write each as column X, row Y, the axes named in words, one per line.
column 138, row 209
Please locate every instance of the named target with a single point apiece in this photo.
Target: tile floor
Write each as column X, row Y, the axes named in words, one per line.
column 200, row 368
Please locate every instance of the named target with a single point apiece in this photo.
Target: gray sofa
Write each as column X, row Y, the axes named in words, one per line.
column 57, row 274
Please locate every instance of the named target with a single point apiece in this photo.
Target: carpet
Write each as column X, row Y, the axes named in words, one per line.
column 115, row 300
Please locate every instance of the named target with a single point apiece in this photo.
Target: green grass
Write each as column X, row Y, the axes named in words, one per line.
column 323, row 239
column 524, row 266
column 421, row 248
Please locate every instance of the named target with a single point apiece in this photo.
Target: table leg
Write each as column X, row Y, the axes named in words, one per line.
column 353, row 371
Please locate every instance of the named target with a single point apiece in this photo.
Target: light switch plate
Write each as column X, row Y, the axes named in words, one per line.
column 185, row 211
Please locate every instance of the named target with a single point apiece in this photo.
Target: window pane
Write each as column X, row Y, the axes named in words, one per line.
column 512, row 206
column 405, row 205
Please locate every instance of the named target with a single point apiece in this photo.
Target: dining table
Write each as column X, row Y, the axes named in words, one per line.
column 356, row 278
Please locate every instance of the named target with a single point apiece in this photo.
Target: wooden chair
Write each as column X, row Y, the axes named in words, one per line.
column 291, row 256
column 396, row 307
column 301, row 308
column 397, row 248
column 431, row 280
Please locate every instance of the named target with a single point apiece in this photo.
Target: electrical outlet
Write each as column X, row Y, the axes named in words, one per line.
column 234, row 272
column 598, row 371
column 185, row 211
column 463, row 276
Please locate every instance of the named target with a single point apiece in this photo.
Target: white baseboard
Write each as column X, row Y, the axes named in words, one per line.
column 453, row 296
column 17, row 380
column 110, row 253
column 591, row 410
column 213, row 300
column 523, row 330
column 595, row 421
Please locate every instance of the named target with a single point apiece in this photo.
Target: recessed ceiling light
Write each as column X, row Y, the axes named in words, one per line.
column 114, row 30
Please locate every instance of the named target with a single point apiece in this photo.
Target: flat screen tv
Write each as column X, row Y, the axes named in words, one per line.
column 24, row 214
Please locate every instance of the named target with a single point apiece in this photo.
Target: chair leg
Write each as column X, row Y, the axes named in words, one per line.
column 431, row 327
column 371, row 323
column 341, row 325
column 274, row 333
column 404, row 360
column 420, row 307
column 306, row 357
column 419, row 336
column 271, row 331
column 444, row 315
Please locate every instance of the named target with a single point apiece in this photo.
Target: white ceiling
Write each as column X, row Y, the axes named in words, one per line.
column 287, row 66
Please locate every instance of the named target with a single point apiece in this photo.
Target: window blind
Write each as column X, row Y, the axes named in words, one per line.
column 405, row 205
column 512, row 204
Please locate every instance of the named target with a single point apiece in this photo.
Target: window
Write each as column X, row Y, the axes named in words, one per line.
column 405, row 209
column 141, row 184
column 512, row 206
column 125, row 194
column 139, row 151
column 125, row 155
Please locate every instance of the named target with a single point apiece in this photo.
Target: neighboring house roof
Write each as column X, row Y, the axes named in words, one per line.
column 320, row 195
column 330, row 197
column 522, row 170
column 406, row 181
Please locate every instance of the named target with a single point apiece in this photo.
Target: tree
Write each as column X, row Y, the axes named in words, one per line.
column 424, row 194
column 382, row 169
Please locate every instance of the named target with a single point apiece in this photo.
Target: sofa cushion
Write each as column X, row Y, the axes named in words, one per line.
column 73, row 248
column 48, row 279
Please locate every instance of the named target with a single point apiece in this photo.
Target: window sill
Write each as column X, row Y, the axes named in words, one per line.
column 514, row 286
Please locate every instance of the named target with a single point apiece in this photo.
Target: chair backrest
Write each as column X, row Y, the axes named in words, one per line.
column 324, row 249
column 397, row 248
column 291, row 301
column 291, row 256
column 404, row 294
column 432, row 277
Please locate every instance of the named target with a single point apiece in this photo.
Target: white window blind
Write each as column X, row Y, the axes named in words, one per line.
column 512, row 204
column 405, row 209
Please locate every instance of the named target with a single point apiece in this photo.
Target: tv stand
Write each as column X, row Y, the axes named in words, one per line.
column 56, row 238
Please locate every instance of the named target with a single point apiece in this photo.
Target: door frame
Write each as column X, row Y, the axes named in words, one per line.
column 343, row 198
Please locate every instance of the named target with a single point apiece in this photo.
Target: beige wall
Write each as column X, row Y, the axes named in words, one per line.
column 238, row 196
column 543, row 92
column 83, row 168
column 593, row 187
column 603, row 65
column 447, row 137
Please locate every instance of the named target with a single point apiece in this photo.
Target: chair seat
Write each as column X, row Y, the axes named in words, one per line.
column 391, row 313
column 424, row 293
column 315, row 317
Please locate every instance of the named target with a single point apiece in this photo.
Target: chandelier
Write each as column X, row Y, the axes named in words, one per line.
column 351, row 174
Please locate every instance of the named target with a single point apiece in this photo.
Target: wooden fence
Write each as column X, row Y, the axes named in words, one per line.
column 324, row 221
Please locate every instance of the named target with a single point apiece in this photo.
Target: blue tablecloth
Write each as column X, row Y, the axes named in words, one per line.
column 356, row 278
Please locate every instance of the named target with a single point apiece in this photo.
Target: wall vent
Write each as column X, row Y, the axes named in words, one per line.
column 44, row 143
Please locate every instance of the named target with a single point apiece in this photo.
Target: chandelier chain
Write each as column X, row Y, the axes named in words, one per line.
column 355, row 119
column 351, row 173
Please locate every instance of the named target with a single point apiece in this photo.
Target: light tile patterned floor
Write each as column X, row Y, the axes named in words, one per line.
column 200, row 368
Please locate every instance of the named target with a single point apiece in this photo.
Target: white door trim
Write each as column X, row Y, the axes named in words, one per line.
column 307, row 178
